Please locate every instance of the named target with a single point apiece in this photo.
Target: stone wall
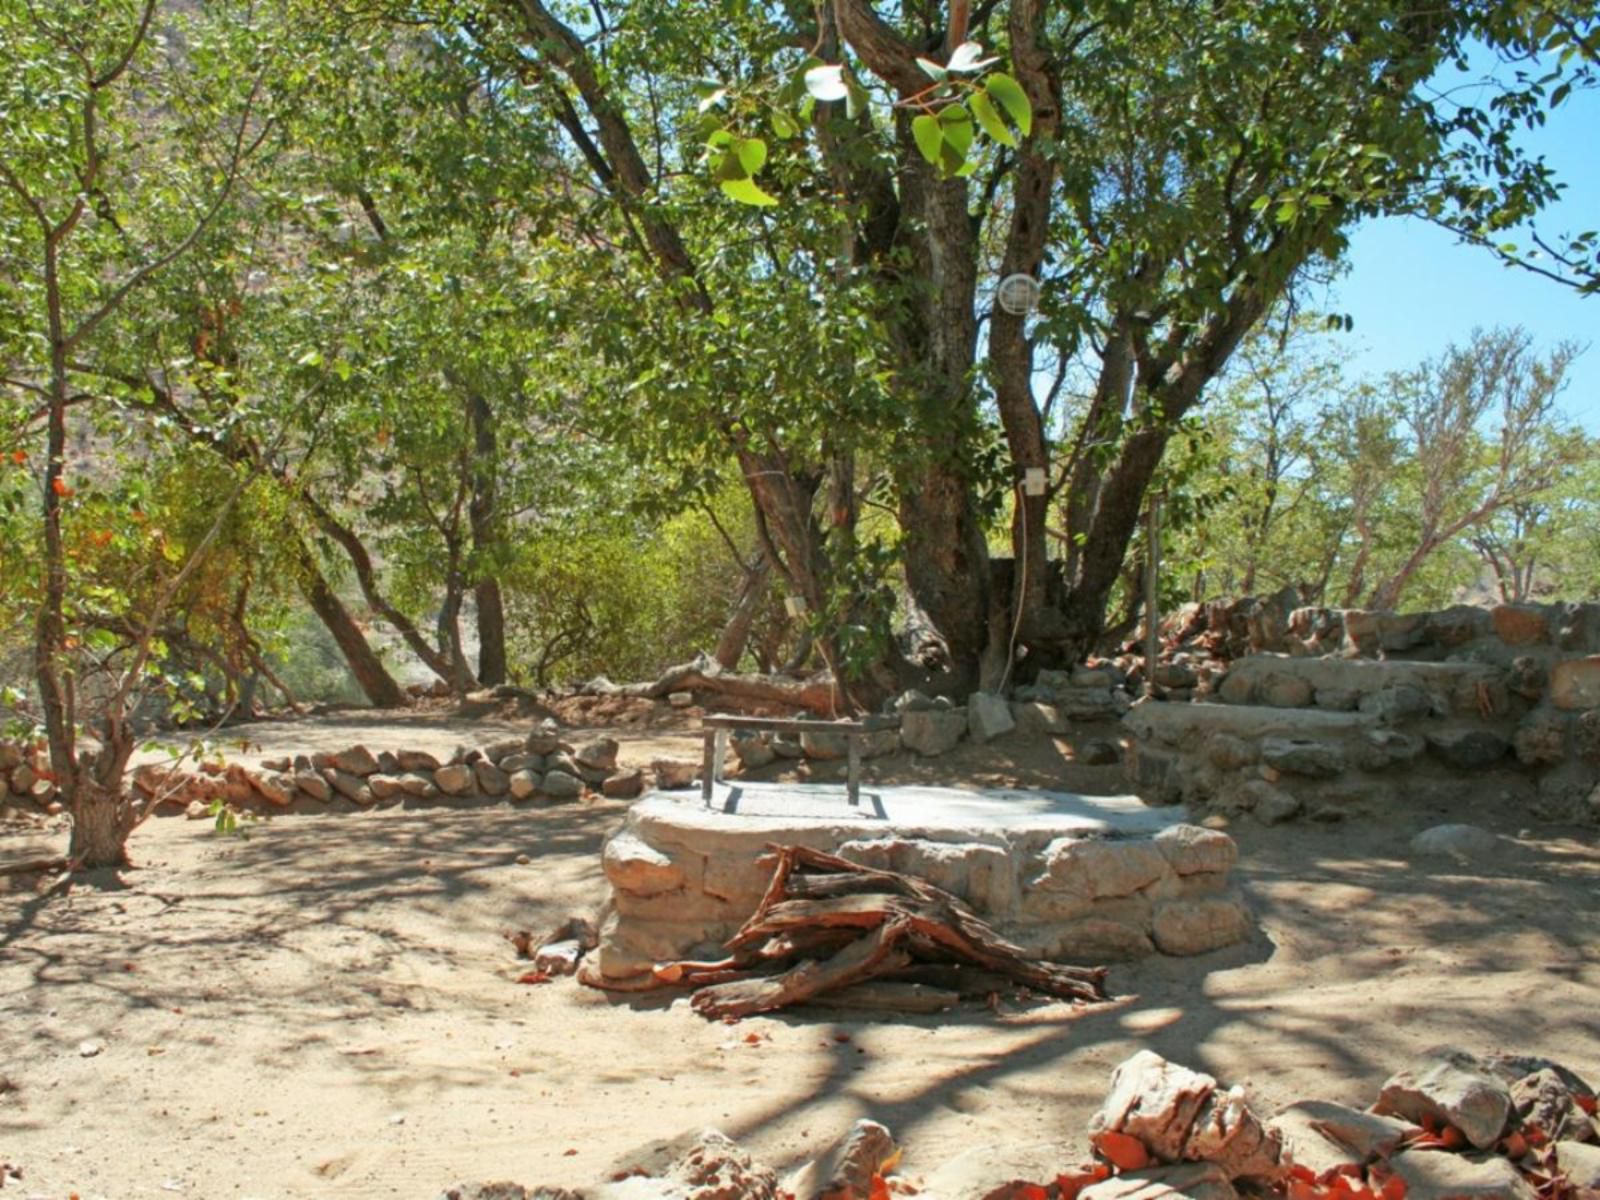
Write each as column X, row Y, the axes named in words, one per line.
column 684, row 877
column 1503, row 700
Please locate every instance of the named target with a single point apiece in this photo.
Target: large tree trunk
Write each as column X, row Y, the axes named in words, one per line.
column 102, row 819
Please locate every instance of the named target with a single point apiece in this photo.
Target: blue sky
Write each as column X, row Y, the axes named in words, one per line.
column 1412, row 289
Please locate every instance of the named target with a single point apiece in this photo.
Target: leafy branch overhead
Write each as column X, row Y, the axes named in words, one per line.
column 958, row 101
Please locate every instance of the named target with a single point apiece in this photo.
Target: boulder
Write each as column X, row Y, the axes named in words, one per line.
column 1270, row 804
column 752, row 748
column 1337, row 699
column 1034, row 717
column 988, row 717
column 1284, row 691
column 931, row 732
column 601, row 754
column 994, row 1172
column 349, row 784
column 546, row 739
column 1195, row 850
column 1396, row 703
column 674, row 773
column 1540, row 738
column 415, row 783
column 1354, row 1135
column 1389, row 747
column 384, row 786
column 1302, row 756
column 823, row 746
column 1229, row 1135
column 561, row 786
column 1155, row 1101
column 1200, row 925
column 416, row 760
column 1440, row 1175
column 624, row 785
column 491, row 780
column 1452, row 1086
column 1545, row 1098
column 1575, row 683
column 1097, row 753
column 1580, row 1163
column 1228, row 753
column 357, row 760
column 1519, row 624
column 1467, row 749
column 1464, row 843
column 274, row 787
column 1097, row 868
column 455, row 779
column 313, row 785
column 523, row 784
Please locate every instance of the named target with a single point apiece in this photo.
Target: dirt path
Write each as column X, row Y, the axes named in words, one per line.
column 327, row 1009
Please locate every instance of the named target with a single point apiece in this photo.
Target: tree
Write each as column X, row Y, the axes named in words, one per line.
column 1465, row 475
column 1181, row 169
column 95, row 226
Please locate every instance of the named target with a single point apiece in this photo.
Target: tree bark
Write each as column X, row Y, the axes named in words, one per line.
column 371, row 676
column 483, row 517
column 736, row 633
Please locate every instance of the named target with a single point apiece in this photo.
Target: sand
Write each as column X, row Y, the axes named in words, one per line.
column 327, row 1008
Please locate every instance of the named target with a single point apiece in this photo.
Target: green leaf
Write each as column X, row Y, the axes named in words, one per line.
column 745, row 191
column 983, row 108
column 726, row 166
column 956, row 124
column 752, row 154
column 930, row 136
column 1008, row 94
column 783, row 125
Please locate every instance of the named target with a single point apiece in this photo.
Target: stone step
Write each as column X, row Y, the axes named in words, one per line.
column 1395, row 689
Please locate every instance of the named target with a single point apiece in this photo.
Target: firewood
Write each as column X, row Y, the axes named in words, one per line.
column 859, row 960
column 889, row 995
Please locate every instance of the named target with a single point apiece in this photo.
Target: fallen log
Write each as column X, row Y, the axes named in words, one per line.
column 817, row 693
column 860, row 960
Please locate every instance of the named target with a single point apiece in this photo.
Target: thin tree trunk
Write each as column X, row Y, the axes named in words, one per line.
column 482, row 516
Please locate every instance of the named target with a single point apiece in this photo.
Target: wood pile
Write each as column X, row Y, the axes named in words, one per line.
column 827, row 928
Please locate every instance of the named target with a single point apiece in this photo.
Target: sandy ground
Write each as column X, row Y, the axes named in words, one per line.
column 327, row 1007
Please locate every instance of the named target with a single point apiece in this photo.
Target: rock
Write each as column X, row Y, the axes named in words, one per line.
column 1155, row 1101
column 274, row 788
column 932, row 732
column 1450, row 1085
column 491, row 780
column 786, row 745
column 523, row 784
column 993, row 1172
column 1229, row 753
column 601, row 753
column 1519, row 624
column 1284, row 691
column 546, row 739
column 1353, row 1135
column 1575, row 683
column 1097, row 753
column 1229, row 1135
column 454, row 779
column 674, row 773
column 1389, row 747
column 1188, row 1181
column 1236, row 688
column 1301, row 756
column 357, row 760
column 560, row 786
column 521, row 761
column 1195, row 850
column 911, row 701
column 416, row 760
column 624, row 785
column 197, row 810
column 824, row 747
column 988, row 717
column 1175, row 674
column 1397, row 702
column 1580, row 1164
column 22, row 779
column 419, row 785
column 847, row 1167
column 1467, row 749
column 313, row 785
column 708, row 1166
column 1440, row 1175
column 384, row 786
column 1200, row 925
column 1586, row 735
column 279, row 764
column 349, row 785
column 558, row 958
column 752, row 749
column 1464, row 843
column 680, row 699
column 1540, row 739
column 89, row 1049
column 1545, row 1099
column 1097, row 868
column 1269, row 804
column 1337, row 699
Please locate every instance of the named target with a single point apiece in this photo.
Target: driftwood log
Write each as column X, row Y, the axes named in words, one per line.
column 816, row 694
column 827, row 924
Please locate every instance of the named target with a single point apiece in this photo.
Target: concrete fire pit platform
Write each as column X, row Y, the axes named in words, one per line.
column 1068, row 877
